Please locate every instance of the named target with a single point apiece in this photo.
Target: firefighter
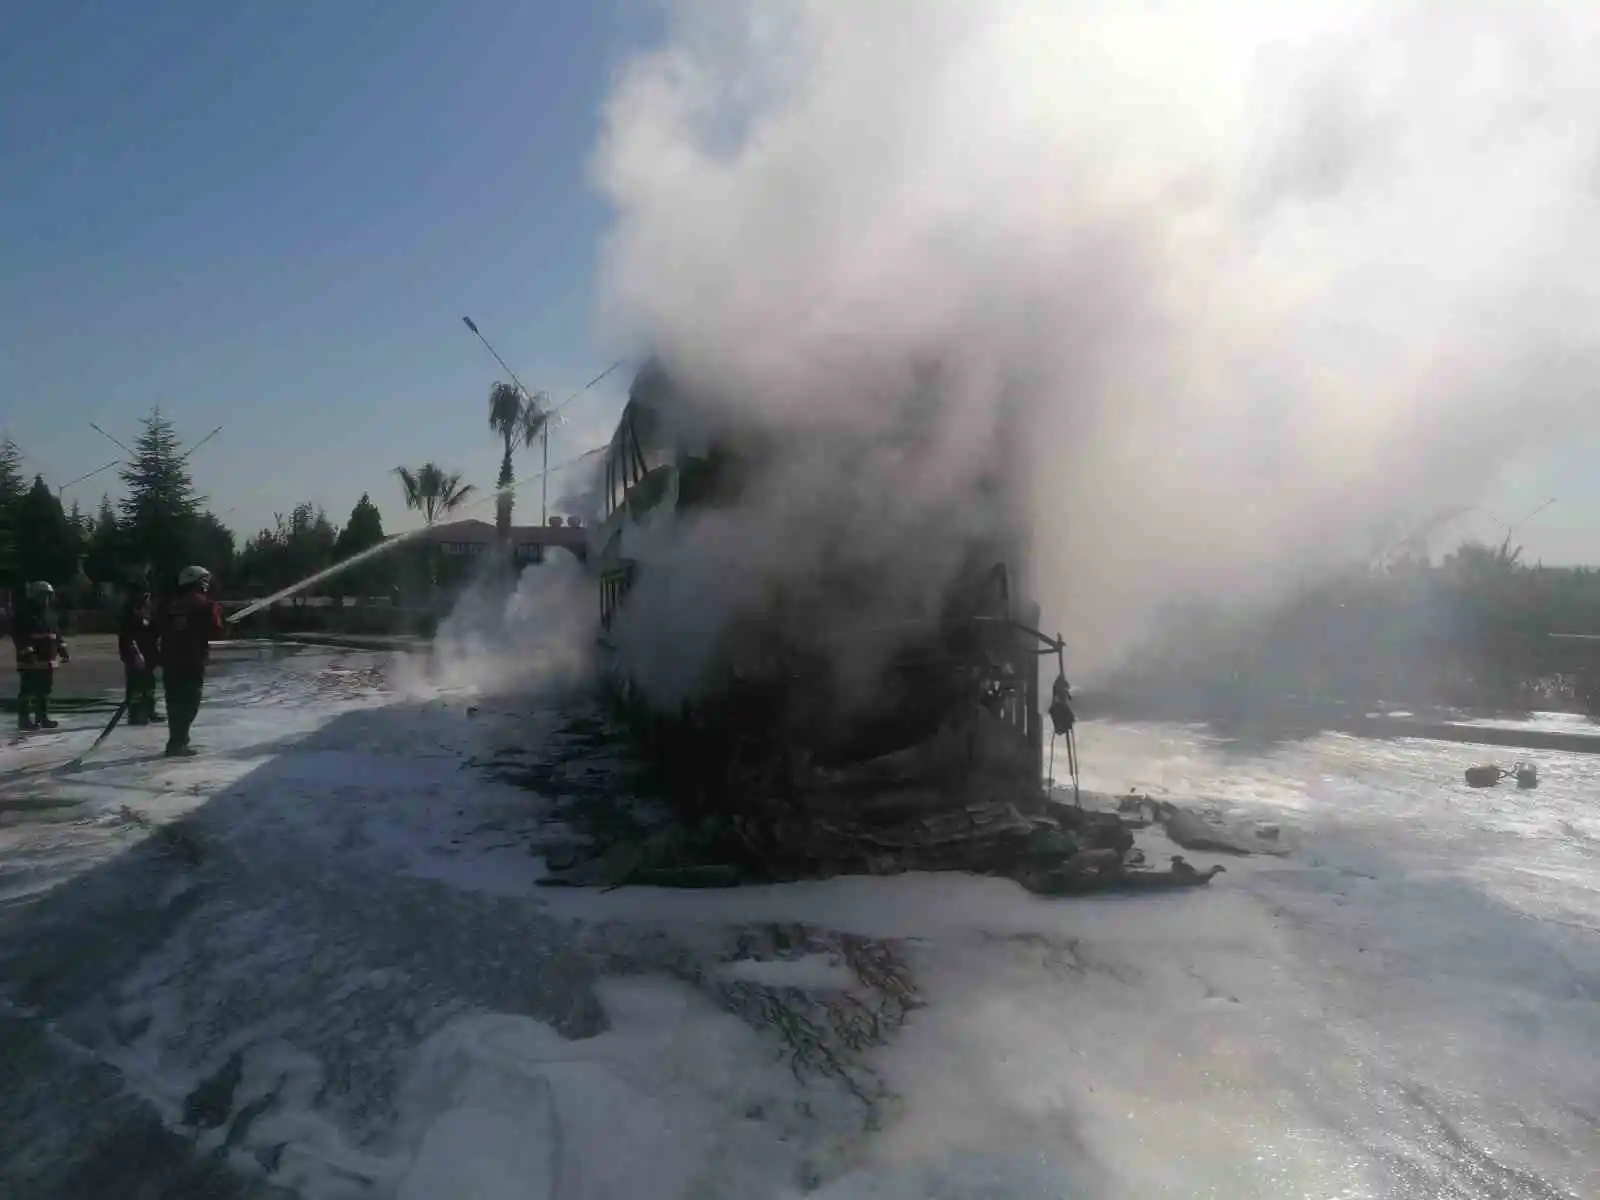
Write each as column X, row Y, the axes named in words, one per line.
column 185, row 625
column 136, row 646
column 36, row 632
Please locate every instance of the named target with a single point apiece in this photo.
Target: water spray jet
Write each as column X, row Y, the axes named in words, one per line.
column 389, row 543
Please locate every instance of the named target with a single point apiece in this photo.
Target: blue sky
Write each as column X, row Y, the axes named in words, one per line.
column 272, row 216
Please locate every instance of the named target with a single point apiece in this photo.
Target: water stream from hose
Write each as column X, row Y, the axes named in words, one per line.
column 354, row 560
column 391, row 543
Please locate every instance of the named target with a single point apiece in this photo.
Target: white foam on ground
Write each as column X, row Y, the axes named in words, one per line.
column 1406, row 1007
column 1543, row 722
column 677, row 1099
column 811, row 972
column 1406, row 1004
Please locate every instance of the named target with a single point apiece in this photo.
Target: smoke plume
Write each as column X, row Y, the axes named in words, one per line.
column 539, row 637
column 1259, row 277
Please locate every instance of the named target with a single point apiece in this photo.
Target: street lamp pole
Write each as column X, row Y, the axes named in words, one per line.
column 111, row 439
column 184, row 457
column 544, row 430
column 1521, row 521
column 62, row 489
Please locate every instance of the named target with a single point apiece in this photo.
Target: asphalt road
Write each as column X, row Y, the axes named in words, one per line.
column 95, row 672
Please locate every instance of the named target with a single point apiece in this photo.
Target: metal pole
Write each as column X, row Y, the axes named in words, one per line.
column 544, row 478
column 184, row 457
column 111, row 439
column 467, row 321
column 1072, row 764
column 1521, row 521
column 62, row 490
column 181, row 458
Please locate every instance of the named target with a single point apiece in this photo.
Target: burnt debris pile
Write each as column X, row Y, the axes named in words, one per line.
column 613, row 836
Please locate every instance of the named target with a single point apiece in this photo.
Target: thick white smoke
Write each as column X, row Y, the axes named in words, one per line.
column 844, row 544
column 539, row 637
column 1263, row 275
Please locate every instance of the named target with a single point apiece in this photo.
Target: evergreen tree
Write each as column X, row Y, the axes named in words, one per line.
column 363, row 531
column 259, row 565
column 293, row 549
column 211, row 546
column 12, row 491
column 104, row 553
column 311, row 542
column 46, row 543
column 160, row 513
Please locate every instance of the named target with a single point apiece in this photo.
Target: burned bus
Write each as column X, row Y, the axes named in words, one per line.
column 950, row 712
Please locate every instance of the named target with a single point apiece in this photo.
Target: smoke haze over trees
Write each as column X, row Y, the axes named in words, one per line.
column 1472, row 628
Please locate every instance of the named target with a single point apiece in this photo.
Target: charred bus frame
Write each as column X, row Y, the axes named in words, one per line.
column 981, row 663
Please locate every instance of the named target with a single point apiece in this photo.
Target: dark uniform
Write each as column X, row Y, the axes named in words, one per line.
column 137, row 647
column 36, row 634
column 185, row 625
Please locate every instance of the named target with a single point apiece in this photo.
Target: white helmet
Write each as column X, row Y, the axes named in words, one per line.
column 191, row 575
column 38, row 589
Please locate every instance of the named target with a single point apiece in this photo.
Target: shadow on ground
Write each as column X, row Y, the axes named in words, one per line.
column 272, row 908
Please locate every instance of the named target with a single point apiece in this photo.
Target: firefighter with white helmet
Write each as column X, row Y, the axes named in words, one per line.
column 185, row 625
column 36, row 634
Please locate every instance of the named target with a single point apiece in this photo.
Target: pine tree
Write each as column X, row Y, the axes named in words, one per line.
column 104, row 563
column 12, row 491
column 212, row 546
column 46, row 546
column 311, row 542
column 160, row 510
column 363, row 531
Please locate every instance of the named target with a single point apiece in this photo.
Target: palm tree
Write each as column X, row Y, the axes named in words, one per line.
column 514, row 416
column 435, row 493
